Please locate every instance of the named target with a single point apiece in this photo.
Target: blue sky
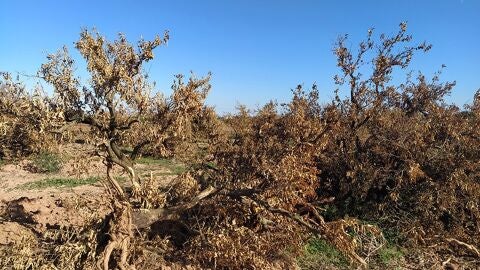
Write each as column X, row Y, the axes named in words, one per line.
column 256, row 50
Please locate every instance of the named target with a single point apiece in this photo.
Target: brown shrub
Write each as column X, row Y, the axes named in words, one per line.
column 26, row 120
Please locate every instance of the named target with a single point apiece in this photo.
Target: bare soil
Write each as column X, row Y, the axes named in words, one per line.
column 26, row 211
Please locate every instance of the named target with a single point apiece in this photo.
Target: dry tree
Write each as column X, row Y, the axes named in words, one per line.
column 118, row 99
column 374, row 104
column 398, row 149
column 387, row 149
column 26, row 119
column 174, row 126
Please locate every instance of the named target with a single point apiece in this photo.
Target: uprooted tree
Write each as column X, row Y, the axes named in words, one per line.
column 117, row 100
column 388, row 149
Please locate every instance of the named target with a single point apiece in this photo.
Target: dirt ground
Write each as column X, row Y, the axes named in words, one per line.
column 23, row 210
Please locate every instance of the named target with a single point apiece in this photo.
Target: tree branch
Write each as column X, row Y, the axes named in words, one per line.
column 137, row 148
column 145, row 219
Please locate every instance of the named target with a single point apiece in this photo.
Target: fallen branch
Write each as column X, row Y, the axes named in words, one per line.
column 472, row 248
column 318, row 229
column 143, row 219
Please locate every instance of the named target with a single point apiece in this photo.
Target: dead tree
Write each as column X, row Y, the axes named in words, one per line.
column 118, row 99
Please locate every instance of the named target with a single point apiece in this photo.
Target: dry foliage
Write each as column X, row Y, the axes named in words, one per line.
column 393, row 153
column 27, row 120
column 117, row 99
column 263, row 182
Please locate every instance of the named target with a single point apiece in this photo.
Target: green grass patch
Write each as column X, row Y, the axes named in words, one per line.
column 390, row 255
column 59, row 183
column 47, row 162
column 211, row 165
column 175, row 168
column 393, row 237
column 319, row 254
column 154, row 161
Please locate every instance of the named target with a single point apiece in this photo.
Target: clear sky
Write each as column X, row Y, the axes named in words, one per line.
column 256, row 50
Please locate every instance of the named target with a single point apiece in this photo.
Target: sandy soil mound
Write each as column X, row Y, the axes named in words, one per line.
column 54, row 211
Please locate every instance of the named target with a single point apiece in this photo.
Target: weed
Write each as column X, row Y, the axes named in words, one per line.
column 390, row 254
column 46, row 162
column 318, row 254
column 393, row 236
column 211, row 165
column 59, row 183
